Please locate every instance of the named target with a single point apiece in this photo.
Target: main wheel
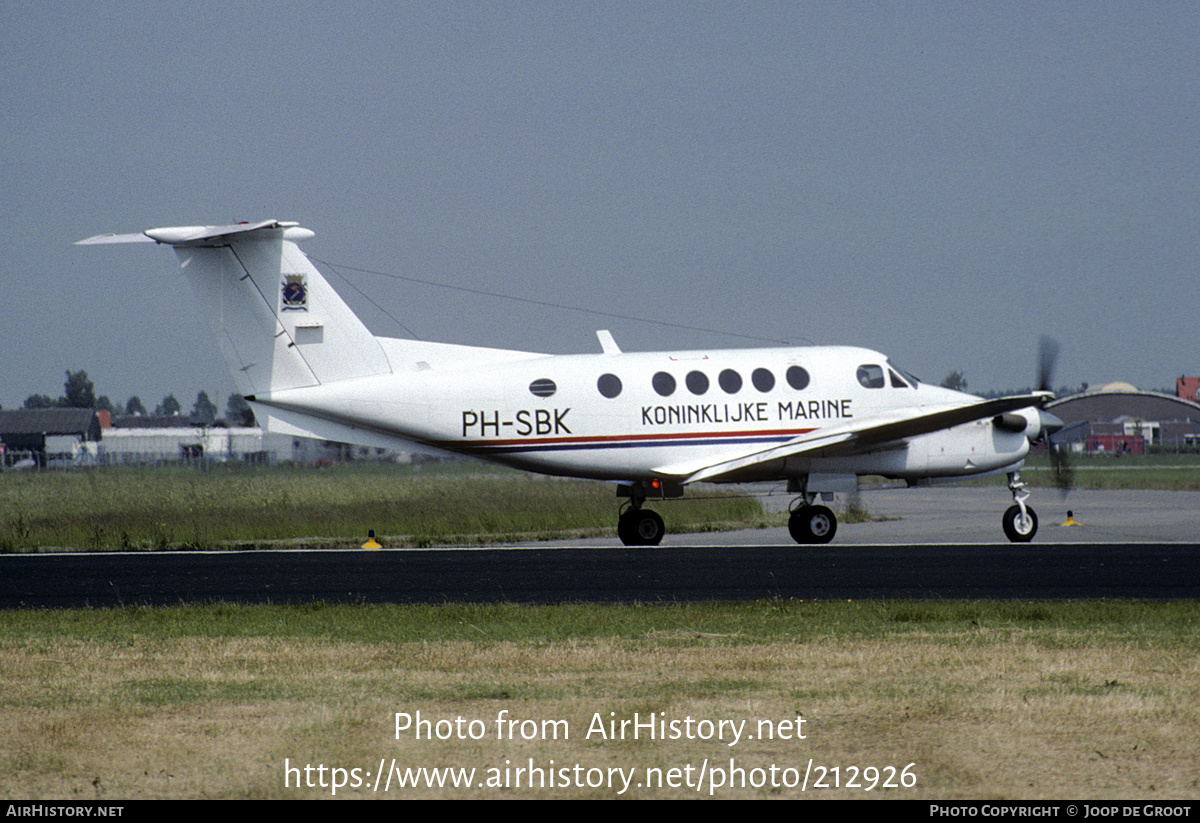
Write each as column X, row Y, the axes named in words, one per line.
column 1020, row 529
column 812, row 524
column 641, row 527
column 626, row 528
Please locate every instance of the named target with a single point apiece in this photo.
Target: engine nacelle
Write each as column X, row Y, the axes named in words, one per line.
column 1028, row 422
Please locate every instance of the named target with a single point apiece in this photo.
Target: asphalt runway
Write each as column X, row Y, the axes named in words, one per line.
column 941, row 543
column 971, row 515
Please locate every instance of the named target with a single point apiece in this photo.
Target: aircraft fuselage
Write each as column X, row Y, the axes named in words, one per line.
column 635, row 416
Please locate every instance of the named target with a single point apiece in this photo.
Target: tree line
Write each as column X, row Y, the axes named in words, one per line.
column 80, row 393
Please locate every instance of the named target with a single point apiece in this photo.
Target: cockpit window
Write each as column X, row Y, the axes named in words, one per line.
column 897, row 380
column 906, row 380
column 870, row 376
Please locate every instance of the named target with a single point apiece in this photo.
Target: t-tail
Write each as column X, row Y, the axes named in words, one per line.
column 279, row 323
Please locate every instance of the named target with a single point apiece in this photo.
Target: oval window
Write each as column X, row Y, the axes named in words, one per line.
column 797, row 378
column 730, row 381
column 543, row 387
column 697, row 382
column 664, row 384
column 762, row 379
column 609, row 385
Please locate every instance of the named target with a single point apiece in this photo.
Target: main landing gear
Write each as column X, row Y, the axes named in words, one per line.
column 1020, row 521
column 811, row 524
column 638, row 526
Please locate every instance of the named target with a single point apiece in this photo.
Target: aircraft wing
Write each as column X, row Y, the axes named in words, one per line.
column 859, row 435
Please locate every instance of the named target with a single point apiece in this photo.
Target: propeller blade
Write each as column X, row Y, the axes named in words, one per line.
column 1060, row 463
column 1060, row 466
column 1047, row 356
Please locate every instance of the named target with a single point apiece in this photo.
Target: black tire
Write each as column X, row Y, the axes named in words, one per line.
column 641, row 527
column 812, row 524
column 797, row 527
column 650, row 528
column 1016, row 529
column 625, row 529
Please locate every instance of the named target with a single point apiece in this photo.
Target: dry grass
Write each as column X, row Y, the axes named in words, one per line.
column 1004, row 712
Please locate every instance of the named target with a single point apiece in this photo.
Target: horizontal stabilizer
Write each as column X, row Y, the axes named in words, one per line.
column 102, row 239
column 201, row 235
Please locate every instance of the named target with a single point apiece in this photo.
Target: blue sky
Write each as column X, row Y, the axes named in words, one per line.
column 941, row 181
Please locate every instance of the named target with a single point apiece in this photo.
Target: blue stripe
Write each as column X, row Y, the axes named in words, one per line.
column 483, row 448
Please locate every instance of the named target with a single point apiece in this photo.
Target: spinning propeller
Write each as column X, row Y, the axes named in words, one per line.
column 1060, row 466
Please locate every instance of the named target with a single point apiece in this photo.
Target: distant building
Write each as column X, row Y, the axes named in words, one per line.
column 41, row 436
column 1119, row 418
column 149, row 439
column 1188, row 388
column 64, row 438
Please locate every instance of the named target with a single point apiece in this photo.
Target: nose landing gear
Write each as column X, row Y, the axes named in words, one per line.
column 1020, row 521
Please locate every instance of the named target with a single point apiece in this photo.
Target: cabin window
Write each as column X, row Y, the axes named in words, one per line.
column 871, row 377
column 664, row 384
column 697, row 382
column 762, row 379
column 609, row 385
column 730, row 381
column 797, row 378
column 543, row 387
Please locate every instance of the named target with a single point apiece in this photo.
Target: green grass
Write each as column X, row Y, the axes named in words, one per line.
column 234, row 506
column 1172, row 622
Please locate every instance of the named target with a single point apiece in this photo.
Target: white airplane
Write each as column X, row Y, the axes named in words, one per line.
column 655, row 422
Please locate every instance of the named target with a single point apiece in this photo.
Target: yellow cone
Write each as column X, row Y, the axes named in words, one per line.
column 1071, row 519
column 371, row 544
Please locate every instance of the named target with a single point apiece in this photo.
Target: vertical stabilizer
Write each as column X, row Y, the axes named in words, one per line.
column 279, row 322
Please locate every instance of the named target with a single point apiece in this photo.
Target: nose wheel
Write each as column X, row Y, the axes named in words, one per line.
column 1020, row 521
column 1020, row 526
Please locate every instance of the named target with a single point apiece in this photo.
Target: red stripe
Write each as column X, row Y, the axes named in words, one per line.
column 629, row 438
